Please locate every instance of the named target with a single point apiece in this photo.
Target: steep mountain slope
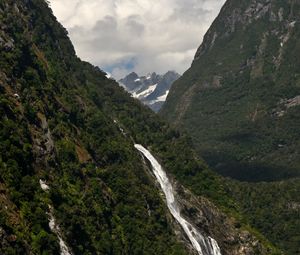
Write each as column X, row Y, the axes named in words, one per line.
column 240, row 103
column 152, row 89
column 67, row 155
column 53, row 127
column 240, row 98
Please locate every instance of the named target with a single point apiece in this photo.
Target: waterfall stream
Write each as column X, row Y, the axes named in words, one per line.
column 203, row 245
column 64, row 250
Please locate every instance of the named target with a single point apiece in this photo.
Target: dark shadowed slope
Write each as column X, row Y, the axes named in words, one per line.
column 240, row 102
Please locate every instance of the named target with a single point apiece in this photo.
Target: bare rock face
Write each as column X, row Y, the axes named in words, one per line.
column 285, row 105
column 231, row 237
column 152, row 90
column 235, row 17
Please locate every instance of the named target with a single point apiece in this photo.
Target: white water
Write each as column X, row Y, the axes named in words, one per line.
column 64, row 250
column 203, row 245
column 44, row 186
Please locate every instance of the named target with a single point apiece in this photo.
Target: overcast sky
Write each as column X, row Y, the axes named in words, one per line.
column 121, row 36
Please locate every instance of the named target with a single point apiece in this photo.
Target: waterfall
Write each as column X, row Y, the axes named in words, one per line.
column 203, row 245
column 64, row 250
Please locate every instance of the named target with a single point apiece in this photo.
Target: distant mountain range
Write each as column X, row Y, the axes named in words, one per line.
column 152, row 89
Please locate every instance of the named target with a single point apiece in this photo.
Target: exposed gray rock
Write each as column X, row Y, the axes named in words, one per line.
column 280, row 14
column 217, row 81
column 152, row 89
column 294, row 206
column 9, row 45
column 284, row 105
column 231, row 238
column 292, row 102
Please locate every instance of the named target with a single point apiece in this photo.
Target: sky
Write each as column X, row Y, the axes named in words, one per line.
column 121, row 36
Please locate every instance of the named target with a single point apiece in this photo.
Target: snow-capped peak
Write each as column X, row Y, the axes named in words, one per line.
column 151, row 89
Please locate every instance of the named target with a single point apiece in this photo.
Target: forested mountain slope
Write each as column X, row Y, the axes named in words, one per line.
column 240, row 100
column 240, row 103
column 67, row 137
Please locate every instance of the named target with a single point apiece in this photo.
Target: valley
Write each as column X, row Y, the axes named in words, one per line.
column 206, row 163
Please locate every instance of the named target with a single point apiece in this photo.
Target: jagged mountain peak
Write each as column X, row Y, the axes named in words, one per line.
column 152, row 89
column 132, row 75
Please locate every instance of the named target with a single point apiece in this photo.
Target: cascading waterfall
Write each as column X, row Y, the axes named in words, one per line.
column 203, row 245
column 64, row 250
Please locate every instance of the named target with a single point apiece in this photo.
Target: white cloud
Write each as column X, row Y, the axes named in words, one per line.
column 137, row 35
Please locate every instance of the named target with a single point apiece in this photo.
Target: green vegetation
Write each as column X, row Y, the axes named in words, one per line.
column 57, row 123
column 279, row 219
column 235, row 102
column 57, row 129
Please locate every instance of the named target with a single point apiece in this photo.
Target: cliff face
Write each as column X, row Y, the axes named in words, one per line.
column 233, row 238
column 67, row 154
column 240, row 103
column 239, row 99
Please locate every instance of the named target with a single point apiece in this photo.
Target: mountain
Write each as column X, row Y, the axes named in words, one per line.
column 152, row 89
column 239, row 101
column 81, row 160
column 246, row 97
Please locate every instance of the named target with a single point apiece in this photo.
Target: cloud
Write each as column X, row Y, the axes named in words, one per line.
column 121, row 36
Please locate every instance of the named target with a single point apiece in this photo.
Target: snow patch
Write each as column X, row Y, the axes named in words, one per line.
column 108, row 75
column 292, row 24
column 145, row 93
column 162, row 98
